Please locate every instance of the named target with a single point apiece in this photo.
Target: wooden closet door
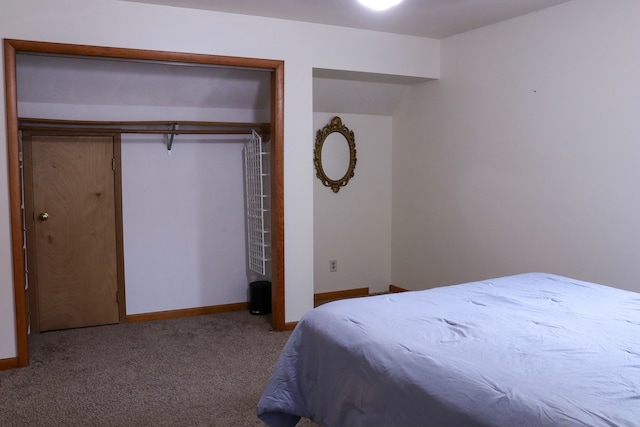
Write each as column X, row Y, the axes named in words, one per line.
column 72, row 262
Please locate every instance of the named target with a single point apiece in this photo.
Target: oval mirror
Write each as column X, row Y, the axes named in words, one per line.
column 334, row 155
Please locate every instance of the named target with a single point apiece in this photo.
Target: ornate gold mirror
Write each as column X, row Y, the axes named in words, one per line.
column 334, row 155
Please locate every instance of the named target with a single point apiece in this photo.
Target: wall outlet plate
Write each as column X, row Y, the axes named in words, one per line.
column 333, row 265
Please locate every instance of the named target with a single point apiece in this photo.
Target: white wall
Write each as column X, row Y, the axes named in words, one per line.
column 353, row 226
column 184, row 229
column 302, row 46
column 524, row 157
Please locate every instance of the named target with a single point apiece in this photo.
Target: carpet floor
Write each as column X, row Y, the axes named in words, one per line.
column 196, row 371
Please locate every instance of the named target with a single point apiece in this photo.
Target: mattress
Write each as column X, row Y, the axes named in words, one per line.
column 528, row 350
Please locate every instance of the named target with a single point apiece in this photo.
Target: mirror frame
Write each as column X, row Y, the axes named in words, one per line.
column 335, row 125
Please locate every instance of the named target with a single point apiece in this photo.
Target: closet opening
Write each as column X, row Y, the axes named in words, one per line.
column 176, row 132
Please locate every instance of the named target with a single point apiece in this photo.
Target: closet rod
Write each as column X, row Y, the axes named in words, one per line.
column 40, row 121
column 141, row 131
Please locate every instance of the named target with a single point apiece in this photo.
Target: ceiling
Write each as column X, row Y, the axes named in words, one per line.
column 425, row 18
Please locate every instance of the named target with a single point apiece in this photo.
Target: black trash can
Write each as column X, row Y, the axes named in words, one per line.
column 260, row 297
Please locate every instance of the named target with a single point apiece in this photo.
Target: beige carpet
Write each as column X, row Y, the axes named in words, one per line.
column 198, row 371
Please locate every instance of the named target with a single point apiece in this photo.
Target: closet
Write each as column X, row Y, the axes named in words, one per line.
column 182, row 155
column 66, row 202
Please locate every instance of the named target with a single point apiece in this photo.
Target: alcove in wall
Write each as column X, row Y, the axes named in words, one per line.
column 353, row 226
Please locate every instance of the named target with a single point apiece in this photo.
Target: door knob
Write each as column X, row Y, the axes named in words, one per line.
column 43, row 216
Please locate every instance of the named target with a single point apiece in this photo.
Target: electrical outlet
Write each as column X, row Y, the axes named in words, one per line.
column 333, row 265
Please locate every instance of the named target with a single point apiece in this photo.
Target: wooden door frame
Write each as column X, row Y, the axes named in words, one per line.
column 27, row 166
column 276, row 67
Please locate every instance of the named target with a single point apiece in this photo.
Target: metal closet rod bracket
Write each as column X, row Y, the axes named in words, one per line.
column 174, row 127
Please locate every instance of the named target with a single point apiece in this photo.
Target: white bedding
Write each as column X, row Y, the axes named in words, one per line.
column 526, row 350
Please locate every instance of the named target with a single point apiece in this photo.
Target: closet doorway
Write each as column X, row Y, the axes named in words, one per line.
column 274, row 67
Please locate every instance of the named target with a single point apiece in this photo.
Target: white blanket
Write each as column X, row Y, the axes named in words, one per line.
column 526, row 350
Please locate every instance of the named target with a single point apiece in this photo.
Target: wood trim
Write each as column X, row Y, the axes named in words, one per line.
column 6, row 364
column 395, row 289
column 290, row 326
column 161, row 127
column 33, row 311
column 277, row 199
column 347, row 293
column 11, row 46
column 188, row 312
column 63, row 122
column 117, row 187
column 15, row 197
column 107, row 130
column 140, row 54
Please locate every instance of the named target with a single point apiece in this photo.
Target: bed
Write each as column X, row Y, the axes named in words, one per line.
column 526, row 350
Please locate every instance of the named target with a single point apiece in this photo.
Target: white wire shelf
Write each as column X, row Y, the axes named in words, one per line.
column 258, row 212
